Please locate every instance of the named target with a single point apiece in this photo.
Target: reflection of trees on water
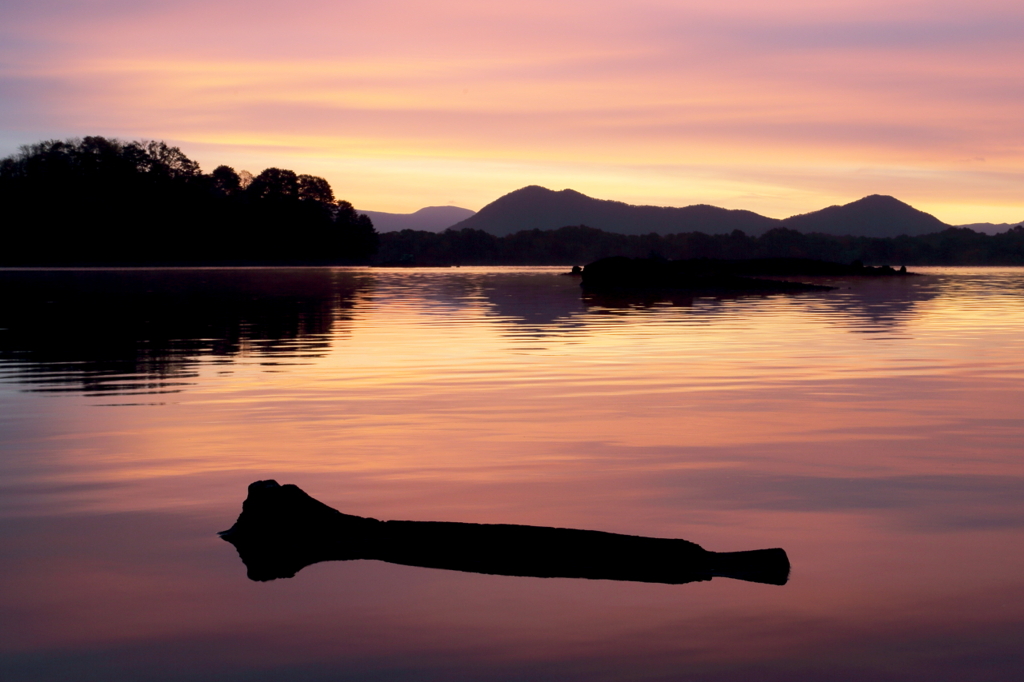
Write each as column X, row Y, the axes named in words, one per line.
column 552, row 308
column 548, row 304
column 859, row 304
column 877, row 305
column 538, row 302
column 144, row 331
column 533, row 299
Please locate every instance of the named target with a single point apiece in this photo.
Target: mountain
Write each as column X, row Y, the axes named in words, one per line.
column 540, row 208
column 990, row 228
column 872, row 216
column 429, row 219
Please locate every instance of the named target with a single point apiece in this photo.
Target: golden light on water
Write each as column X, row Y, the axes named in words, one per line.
column 414, row 389
column 872, row 431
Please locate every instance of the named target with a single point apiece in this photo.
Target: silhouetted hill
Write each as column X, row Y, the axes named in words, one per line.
column 872, row 216
column 429, row 219
column 540, row 208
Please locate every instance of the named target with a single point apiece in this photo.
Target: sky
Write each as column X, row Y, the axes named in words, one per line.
column 779, row 108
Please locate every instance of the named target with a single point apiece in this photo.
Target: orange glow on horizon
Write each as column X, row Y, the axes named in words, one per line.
column 400, row 105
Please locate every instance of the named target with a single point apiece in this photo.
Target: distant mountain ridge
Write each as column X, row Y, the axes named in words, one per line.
column 991, row 228
column 429, row 219
column 873, row 216
column 540, row 208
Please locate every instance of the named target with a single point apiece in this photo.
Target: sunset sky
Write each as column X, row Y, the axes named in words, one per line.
column 780, row 108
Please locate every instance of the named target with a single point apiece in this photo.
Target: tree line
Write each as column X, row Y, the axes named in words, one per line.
column 99, row 201
column 581, row 245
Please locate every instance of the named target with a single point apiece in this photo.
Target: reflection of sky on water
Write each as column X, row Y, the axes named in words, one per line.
column 886, row 463
column 143, row 332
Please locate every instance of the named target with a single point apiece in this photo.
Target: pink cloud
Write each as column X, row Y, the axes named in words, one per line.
column 897, row 85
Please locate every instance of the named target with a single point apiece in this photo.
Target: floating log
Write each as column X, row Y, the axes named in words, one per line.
column 281, row 530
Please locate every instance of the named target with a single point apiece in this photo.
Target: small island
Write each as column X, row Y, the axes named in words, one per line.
column 712, row 276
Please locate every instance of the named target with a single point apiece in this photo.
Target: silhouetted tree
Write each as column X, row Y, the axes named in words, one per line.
column 226, row 180
column 581, row 244
column 100, row 201
column 313, row 188
column 275, row 184
column 169, row 161
column 357, row 238
column 104, row 201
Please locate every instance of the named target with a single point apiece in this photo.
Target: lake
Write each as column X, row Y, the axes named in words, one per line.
column 874, row 432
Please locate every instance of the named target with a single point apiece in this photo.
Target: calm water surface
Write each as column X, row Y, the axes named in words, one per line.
column 874, row 432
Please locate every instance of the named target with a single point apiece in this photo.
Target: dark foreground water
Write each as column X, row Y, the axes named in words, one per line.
column 875, row 432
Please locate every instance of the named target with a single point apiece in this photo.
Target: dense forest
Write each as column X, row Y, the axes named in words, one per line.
column 580, row 245
column 98, row 201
